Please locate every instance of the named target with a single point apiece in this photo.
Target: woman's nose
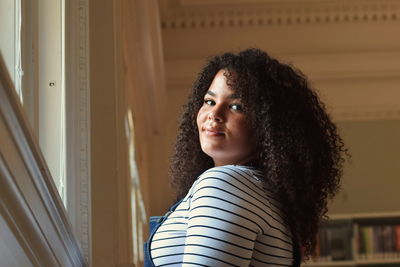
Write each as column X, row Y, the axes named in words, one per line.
column 215, row 114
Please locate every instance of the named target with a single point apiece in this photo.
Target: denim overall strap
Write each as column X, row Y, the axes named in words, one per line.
column 155, row 222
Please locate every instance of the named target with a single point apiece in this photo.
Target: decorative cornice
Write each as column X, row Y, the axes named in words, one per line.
column 271, row 13
column 359, row 113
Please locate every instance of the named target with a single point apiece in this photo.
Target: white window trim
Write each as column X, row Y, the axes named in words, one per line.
column 51, row 93
column 29, row 201
column 78, row 121
column 77, row 113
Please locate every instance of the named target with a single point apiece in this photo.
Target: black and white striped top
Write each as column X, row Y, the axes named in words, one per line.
column 228, row 218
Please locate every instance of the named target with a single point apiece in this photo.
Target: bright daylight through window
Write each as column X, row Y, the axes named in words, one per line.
column 32, row 45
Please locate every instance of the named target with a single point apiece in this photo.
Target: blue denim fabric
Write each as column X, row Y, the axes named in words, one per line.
column 154, row 223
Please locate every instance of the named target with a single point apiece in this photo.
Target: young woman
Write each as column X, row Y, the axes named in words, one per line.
column 256, row 159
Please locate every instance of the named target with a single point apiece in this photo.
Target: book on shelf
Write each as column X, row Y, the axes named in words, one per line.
column 380, row 241
column 333, row 242
column 362, row 239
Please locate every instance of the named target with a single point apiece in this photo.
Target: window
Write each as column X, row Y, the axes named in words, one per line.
column 33, row 43
column 10, row 41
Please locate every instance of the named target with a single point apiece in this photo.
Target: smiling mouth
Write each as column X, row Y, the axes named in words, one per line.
column 213, row 133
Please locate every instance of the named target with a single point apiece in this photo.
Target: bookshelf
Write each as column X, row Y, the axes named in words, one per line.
column 362, row 239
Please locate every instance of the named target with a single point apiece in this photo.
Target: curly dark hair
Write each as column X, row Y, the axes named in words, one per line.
column 298, row 149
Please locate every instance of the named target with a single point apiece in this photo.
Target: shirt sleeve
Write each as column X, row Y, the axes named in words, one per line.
column 223, row 220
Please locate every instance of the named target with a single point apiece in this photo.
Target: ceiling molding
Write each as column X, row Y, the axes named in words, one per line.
column 245, row 2
column 365, row 113
column 230, row 2
column 192, row 14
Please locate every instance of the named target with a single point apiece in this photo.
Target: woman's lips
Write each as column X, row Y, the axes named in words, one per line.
column 214, row 133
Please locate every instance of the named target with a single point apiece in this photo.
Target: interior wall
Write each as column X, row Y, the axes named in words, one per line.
column 349, row 50
column 126, row 75
column 105, row 243
column 371, row 177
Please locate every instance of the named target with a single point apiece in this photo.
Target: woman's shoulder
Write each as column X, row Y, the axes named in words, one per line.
column 225, row 176
column 233, row 172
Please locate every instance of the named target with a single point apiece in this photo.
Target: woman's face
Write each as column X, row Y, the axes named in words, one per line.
column 224, row 128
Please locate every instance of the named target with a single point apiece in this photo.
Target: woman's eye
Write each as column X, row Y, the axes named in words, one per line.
column 237, row 107
column 209, row 102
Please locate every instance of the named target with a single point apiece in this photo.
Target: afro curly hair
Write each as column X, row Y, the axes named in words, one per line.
column 298, row 148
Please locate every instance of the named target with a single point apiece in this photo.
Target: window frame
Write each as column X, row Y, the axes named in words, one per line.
column 77, row 105
column 77, row 83
column 29, row 202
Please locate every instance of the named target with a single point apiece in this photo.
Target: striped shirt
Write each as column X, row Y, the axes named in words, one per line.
column 228, row 218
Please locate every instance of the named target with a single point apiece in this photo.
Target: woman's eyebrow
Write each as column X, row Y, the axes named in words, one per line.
column 211, row 93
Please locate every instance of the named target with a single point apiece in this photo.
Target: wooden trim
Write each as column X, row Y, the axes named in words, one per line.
column 29, row 201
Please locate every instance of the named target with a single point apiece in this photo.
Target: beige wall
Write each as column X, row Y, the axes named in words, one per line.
column 371, row 179
column 126, row 73
column 104, row 130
